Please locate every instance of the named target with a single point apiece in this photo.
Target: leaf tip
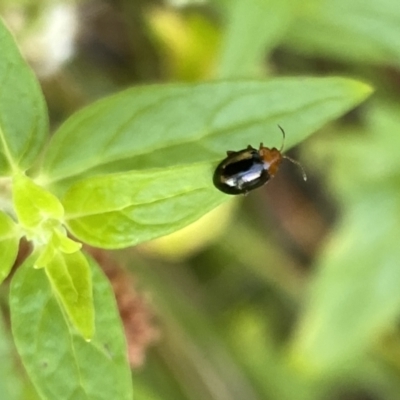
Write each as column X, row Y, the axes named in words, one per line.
column 87, row 332
column 362, row 89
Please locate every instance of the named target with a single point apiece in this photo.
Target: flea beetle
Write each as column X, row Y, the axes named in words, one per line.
column 244, row 170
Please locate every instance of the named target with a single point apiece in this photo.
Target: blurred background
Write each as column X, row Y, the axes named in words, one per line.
column 292, row 292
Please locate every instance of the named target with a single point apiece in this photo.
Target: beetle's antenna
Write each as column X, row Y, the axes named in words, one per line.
column 288, row 158
column 283, row 138
column 298, row 164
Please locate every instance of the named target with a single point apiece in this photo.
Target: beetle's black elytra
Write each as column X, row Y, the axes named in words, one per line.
column 245, row 170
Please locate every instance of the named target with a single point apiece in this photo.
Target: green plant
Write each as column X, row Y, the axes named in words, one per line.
column 129, row 168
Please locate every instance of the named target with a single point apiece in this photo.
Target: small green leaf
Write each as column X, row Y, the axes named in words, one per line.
column 33, row 204
column 9, row 239
column 23, row 114
column 65, row 244
column 357, row 30
column 46, row 254
column 72, row 281
column 162, row 126
column 119, row 210
column 61, row 364
column 254, row 28
column 58, row 242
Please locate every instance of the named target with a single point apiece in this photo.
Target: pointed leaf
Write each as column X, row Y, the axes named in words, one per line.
column 44, row 255
column 161, row 126
column 65, row 244
column 23, row 114
column 61, row 364
column 72, row 281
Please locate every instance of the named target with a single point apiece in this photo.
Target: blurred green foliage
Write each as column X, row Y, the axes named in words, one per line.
column 298, row 298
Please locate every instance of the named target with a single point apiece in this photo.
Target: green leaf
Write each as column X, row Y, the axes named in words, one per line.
column 45, row 254
column 65, row 244
column 71, row 279
column 23, row 114
column 120, row 210
column 357, row 30
column 161, row 126
column 9, row 239
column 11, row 380
column 61, row 364
column 355, row 297
column 254, row 28
column 58, row 242
column 356, row 294
column 33, row 204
